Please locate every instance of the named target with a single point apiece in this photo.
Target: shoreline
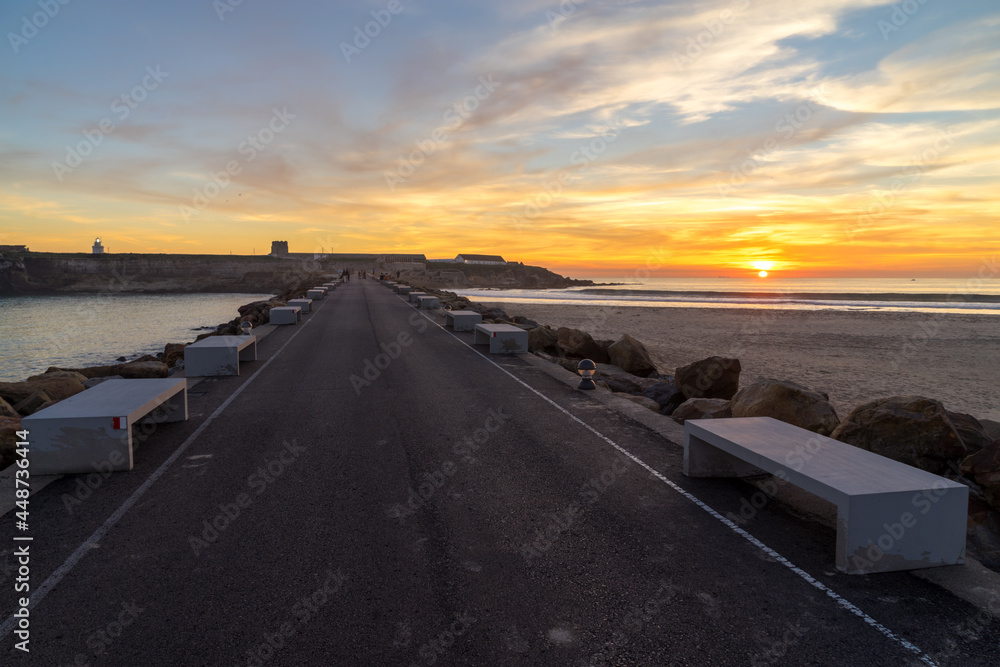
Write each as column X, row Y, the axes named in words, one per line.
column 854, row 356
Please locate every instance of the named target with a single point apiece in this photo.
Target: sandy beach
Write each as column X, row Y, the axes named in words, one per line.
column 852, row 356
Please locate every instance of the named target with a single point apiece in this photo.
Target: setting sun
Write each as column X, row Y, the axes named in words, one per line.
column 762, row 274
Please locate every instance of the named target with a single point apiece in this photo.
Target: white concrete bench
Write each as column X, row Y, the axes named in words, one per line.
column 503, row 338
column 404, row 289
column 285, row 315
column 415, row 296
column 304, row 304
column 92, row 431
column 890, row 516
column 219, row 355
column 330, row 286
column 315, row 293
column 462, row 320
column 429, row 302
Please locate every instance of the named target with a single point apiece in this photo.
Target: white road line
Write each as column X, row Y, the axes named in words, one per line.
column 845, row 604
column 92, row 542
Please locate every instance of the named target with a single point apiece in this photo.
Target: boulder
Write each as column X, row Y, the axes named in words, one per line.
column 580, row 344
column 521, row 319
column 57, row 384
column 9, row 426
column 970, row 430
column 911, row 429
column 666, row 395
column 702, row 408
column 568, row 364
column 641, row 400
column 618, row 384
column 93, row 382
column 143, row 369
column 6, row 410
column 983, row 532
column 494, row 314
column 984, row 468
column 543, row 340
column 33, row 403
column 172, row 352
column 787, row 401
column 714, row 377
column 630, row 355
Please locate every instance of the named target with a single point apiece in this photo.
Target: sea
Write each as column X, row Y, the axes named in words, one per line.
column 975, row 295
column 75, row 330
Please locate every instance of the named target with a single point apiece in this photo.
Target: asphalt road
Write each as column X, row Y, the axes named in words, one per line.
column 440, row 511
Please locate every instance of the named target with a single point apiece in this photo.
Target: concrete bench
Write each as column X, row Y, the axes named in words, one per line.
column 890, row 516
column 92, row 431
column 219, row 355
column 404, row 289
column 429, row 302
column 462, row 320
column 330, row 286
column 285, row 315
column 304, row 304
column 415, row 296
column 315, row 293
column 503, row 338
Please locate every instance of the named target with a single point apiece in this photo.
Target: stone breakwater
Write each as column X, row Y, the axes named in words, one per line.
column 23, row 398
column 915, row 430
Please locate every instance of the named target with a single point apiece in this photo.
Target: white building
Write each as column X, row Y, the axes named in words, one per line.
column 480, row 259
column 98, row 249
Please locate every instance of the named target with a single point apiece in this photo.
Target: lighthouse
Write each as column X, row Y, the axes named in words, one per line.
column 98, row 249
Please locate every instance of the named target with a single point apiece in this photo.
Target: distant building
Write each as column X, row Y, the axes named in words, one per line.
column 480, row 259
column 279, row 248
column 13, row 248
column 397, row 259
column 98, row 249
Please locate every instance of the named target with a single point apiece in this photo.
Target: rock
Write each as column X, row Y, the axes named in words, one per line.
column 641, row 400
column 992, row 428
column 580, row 344
column 984, row 468
column 143, row 369
column 172, row 352
column 521, row 319
column 983, row 532
column 494, row 314
column 58, row 385
column 787, row 401
column 702, row 408
column 666, row 395
column 122, row 359
column 9, row 426
column 544, row 340
column 630, row 355
column 911, row 429
column 619, row 384
column 568, row 364
column 970, row 430
column 205, row 335
column 33, row 403
column 6, row 410
column 93, row 382
column 714, row 377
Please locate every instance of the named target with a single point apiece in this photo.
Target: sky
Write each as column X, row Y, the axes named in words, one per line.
column 812, row 138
